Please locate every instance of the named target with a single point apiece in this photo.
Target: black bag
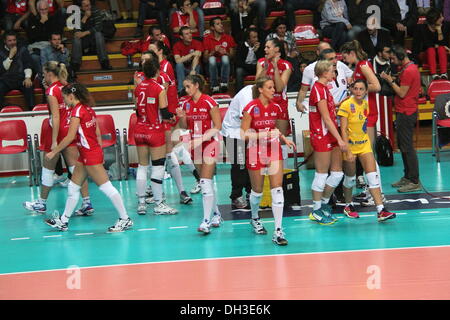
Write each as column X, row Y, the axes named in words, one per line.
column 384, row 152
column 108, row 27
column 386, row 88
column 291, row 181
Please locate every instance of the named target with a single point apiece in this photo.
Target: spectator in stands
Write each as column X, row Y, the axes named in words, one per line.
column 156, row 9
column 258, row 8
column 89, row 36
column 115, row 10
column 371, row 36
column 248, row 53
column 55, row 7
column 16, row 15
column 298, row 65
column 423, row 6
column 185, row 16
column 196, row 5
column 358, row 15
column 55, row 51
column 290, row 6
column 280, row 31
column 242, row 16
column 187, row 54
column 399, row 17
column 15, row 70
column 335, row 23
column 219, row 51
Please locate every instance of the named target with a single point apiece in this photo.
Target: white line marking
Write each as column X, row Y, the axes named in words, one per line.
column 55, row 236
column 238, row 223
column 149, row 229
column 367, row 215
column 401, row 213
column 301, row 219
column 270, row 221
column 429, row 211
column 181, row 227
column 14, row 239
column 84, row 234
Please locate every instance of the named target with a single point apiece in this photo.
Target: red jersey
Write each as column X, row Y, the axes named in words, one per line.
column 87, row 131
column 54, row 90
column 264, row 118
column 146, row 42
column 147, row 103
column 166, row 67
column 198, row 115
column 371, row 97
column 172, row 94
column 181, row 49
column 225, row 41
column 279, row 97
column 409, row 76
column 179, row 19
column 317, row 127
column 19, row 7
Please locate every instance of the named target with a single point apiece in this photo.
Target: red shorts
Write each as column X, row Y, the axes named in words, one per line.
column 47, row 139
column 145, row 136
column 208, row 149
column 91, row 157
column 324, row 144
column 258, row 156
column 168, row 126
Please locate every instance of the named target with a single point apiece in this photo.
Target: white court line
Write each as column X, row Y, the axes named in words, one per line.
column 367, row 215
column 304, row 219
column 14, row 239
column 84, row 234
column 238, row 223
column 148, row 229
column 181, row 227
column 429, row 211
column 55, row 236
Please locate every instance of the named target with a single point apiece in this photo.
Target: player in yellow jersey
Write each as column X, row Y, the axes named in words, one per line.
column 353, row 113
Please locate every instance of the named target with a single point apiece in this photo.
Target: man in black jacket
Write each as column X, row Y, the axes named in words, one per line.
column 15, row 69
column 371, row 37
column 247, row 55
column 400, row 17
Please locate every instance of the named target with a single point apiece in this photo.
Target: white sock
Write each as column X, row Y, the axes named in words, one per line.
column 86, row 200
column 208, row 197
column 114, row 195
column 380, row 207
column 157, row 180
column 141, row 182
column 255, row 200
column 317, row 205
column 73, row 195
column 175, row 171
column 277, row 206
column 325, row 200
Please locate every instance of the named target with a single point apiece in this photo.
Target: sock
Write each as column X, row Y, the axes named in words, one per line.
column 175, row 171
column 255, row 200
column 317, row 205
column 86, row 200
column 141, row 182
column 277, row 206
column 114, row 195
column 379, row 208
column 157, row 180
column 43, row 201
column 208, row 198
column 325, row 200
column 73, row 195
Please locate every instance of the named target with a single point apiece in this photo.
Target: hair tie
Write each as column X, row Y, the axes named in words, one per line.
column 73, row 89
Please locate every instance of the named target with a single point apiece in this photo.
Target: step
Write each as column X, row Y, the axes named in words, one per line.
column 117, row 61
column 106, row 77
column 111, row 45
column 101, row 94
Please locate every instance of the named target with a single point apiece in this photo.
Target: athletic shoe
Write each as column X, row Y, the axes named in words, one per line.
column 149, row 192
column 85, row 210
column 363, row 196
column 320, row 217
column 184, row 198
column 167, row 175
column 121, row 225
column 56, row 222
column 369, row 202
column 216, row 220
column 410, row 187
column 279, row 237
column 35, row 206
column 400, row 183
column 238, row 203
column 142, row 208
column 163, row 209
column 58, row 179
column 385, row 215
column 204, row 227
column 350, row 212
column 258, row 226
column 328, row 211
column 197, row 188
column 65, row 183
column 360, row 182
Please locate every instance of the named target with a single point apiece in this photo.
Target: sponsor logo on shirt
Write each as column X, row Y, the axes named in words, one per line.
column 256, row 111
column 151, row 100
column 352, row 108
column 188, row 106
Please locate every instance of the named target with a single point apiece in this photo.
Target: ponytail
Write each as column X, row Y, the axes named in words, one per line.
column 356, row 47
column 58, row 69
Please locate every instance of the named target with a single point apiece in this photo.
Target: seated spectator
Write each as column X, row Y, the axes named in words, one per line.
column 245, row 11
column 248, row 53
column 154, row 9
column 219, row 51
column 242, row 16
column 430, row 39
column 279, row 30
column 423, row 6
column 55, row 51
column 187, row 54
column 16, row 15
column 357, row 15
column 53, row 7
column 15, row 70
column 298, row 65
column 89, row 37
column 115, row 9
column 290, row 6
column 371, row 36
column 400, row 18
column 196, row 5
column 155, row 33
column 335, row 24
column 185, row 16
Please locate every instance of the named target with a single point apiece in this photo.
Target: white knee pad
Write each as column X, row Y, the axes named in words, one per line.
column 207, row 187
column 172, row 160
column 73, row 190
column 334, row 178
column 157, row 173
column 373, row 180
column 47, row 177
column 71, row 169
column 285, row 151
column 319, row 182
column 277, row 197
column 349, row 182
column 108, row 189
column 141, row 172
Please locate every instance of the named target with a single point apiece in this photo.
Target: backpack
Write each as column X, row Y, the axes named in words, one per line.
column 384, row 151
column 108, row 27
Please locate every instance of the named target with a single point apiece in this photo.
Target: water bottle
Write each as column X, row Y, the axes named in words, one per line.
column 130, row 94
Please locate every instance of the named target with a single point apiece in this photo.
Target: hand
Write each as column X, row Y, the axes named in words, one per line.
column 180, row 112
column 61, row 47
column 28, row 83
column 193, row 72
column 50, row 155
column 54, row 144
column 300, row 107
column 222, row 51
column 256, row 46
column 349, row 26
column 16, row 25
column 400, row 27
column 87, row 14
column 386, row 77
column 12, row 52
column 290, row 144
column 275, row 62
column 342, row 145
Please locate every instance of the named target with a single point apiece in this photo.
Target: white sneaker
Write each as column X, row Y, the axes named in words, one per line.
column 58, row 179
column 65, row 183
column 163, row 209
column 204, row 227
column 369, row 202
column 56, row 222
column 35, row 206
column 121, row 225
column 258, row 226
column 279, row 237
column 216, row 220
column 197, row 188
column 142, row 208
column 167, row 175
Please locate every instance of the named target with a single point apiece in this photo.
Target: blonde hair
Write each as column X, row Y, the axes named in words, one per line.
column 259, row 84
column 57, row 68
column 322, row 66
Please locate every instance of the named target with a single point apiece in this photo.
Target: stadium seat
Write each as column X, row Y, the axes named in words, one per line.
column 301, row 12
column 11, row 109
column 436, row 125
column 128, row 140
column 438, row 87
column 277, row 14
column 304, row 42
column 250, row 78
column 110, row 137
column 212, row 9
column 12, row 131
column 219, row 96
column 41, row 107
column 150, row 22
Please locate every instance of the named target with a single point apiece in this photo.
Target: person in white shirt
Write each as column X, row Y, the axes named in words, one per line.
column 231, row 128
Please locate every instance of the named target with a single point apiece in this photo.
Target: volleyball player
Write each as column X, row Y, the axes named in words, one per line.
column 83, row 127
column 260, row 121
column 55, row 74
column 200, row 114
column 354, row 113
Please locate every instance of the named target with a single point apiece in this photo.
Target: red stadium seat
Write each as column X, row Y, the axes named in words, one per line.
column 249, row 78
column 302, row 12
column 150, row 21
column 422, row 100
column 108, row 129
column 438, row 87
column 220, row 96
column 222, row 16
column 11, row 109
column 277, row 14
column 304, row 42
column 128, row 140
column 438, row 124
column 41, row 107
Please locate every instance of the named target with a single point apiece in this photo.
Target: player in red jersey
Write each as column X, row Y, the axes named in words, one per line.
column 200, row 114
column 260, row 127
column 83, row 127
column 55, row 75
column 151, row 105
column 326, row 142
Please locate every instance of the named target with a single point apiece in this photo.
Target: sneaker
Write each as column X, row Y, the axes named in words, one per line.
column 363, row 196
column 163, row 209
column 64, row 183
column 435, row 77
column 215, row 89
column 400, row 183
column 385, row 215
column 320, row 217
column 328, row 211
column 410, row 187
column 57, row 178
column 444, row 76
column 351, row 212
column 167, row 175
column 149, row 196
column 204, row 227
column 184, row 198
column 360, row 182
column 56, row 222
column 121, row 225
column 142, row 208
column 85, row 210
column 369, row 202
column 279, row 237
column 258, row 226
column 197, row 188
column 216, row 220
column 35, row 206
column 238, row 203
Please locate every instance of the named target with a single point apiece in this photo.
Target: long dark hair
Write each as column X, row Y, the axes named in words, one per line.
column 80, row 92
column 280, row 45
column 196, row 79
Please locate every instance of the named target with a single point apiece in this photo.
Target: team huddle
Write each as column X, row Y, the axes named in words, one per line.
column 264, row 126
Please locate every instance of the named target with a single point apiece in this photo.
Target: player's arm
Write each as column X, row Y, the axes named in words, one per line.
column 323, row 110
column 372, row 80
column 301, row 97
column 73, row 128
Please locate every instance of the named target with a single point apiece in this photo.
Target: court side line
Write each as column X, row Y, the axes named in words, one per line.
column 229, row 258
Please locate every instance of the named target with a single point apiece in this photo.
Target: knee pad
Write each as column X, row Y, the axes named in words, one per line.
column 157, row 173
column 334, row 178
column 47, row 177
column 207, row 187
column 319, row 182
column 277, row 197
column 285, row 151
column 172, row 160
column 349, row 182
column 141, row 172
column 71, row 169
column 373, row 180
column 159, row 162
column 108, row 189
column 73, row 190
